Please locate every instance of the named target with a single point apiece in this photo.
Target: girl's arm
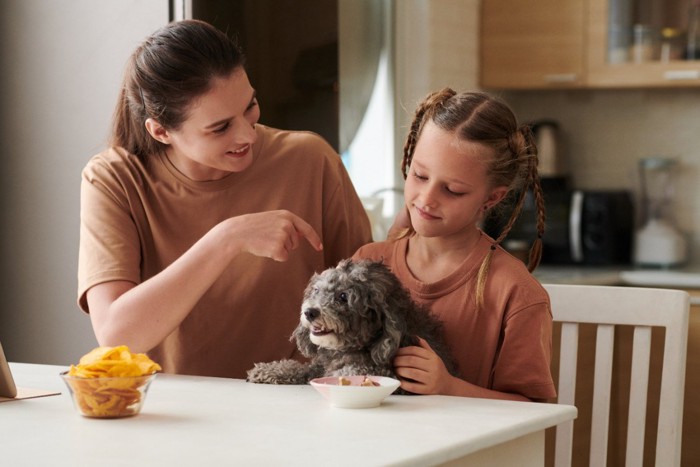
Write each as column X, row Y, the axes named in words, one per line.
column 421, row 371
column 142, row 315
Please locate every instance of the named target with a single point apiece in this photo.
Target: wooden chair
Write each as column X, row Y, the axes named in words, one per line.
column 641, row 308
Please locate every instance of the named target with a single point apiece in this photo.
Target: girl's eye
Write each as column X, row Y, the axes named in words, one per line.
column 419, row 177
column 454, row 193
column 252, row 105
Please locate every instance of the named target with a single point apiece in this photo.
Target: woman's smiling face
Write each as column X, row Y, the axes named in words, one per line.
column 218, row 135
column 447, row 185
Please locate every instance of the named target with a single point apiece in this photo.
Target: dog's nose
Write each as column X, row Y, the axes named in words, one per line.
column 311, row 314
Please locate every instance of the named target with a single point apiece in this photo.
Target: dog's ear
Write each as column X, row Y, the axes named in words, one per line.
column 307, row 348
column 389, row 299
column 384, row 348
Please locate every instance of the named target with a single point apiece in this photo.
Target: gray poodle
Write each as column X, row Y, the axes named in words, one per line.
column 353, row 320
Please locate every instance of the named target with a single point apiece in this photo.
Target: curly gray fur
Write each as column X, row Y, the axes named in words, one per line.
column 354, row 318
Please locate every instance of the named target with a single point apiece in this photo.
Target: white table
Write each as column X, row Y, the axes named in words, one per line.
column 202, row 421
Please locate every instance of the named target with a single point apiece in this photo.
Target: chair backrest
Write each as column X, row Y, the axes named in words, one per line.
column 642, row 309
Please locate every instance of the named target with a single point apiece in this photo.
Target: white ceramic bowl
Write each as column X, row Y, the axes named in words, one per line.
column 354, row 396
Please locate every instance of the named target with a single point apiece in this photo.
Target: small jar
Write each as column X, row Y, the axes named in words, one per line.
column 671, row 45
column 642, row 43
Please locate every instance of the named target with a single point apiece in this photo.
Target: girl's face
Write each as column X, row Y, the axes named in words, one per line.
column 447, row 187
column 218, row 135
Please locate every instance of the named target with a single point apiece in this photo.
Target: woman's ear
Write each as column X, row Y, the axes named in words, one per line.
column 157, row 131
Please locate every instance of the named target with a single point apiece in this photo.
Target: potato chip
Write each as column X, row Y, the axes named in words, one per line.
column 111, row 381
column 113, row 362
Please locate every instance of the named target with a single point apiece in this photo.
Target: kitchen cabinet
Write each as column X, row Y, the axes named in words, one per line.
column 549, row 44
column 536, row 44
column 690, row 449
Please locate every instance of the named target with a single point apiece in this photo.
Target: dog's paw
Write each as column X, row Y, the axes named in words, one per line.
column 280, row 372
column 261, row 373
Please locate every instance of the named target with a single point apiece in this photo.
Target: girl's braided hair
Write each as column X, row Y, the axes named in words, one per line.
column 481, row 118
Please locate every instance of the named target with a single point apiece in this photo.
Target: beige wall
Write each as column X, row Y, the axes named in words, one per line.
column 63, row 62
column 436, row 46
column 606, row 132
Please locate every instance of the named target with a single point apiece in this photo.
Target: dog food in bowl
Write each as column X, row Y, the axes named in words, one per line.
column 355, row 392
column 366, row 381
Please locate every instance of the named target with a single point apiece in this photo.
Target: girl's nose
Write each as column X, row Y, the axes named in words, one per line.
column 429, row 195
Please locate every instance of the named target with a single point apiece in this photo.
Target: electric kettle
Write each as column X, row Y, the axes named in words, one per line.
column 547, row 138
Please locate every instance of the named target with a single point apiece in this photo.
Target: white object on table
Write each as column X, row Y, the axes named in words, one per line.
column 188, row 420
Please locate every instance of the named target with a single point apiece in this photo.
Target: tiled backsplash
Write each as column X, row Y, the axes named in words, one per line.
column 605, row 133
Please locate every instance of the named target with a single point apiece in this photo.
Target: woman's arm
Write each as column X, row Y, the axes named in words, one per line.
column 142, row 315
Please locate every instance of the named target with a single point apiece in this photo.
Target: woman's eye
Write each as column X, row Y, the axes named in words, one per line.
column 222, row 128
column 252, row 105
column 342, row 297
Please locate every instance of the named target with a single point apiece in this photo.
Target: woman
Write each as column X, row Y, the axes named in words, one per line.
column 200, row 227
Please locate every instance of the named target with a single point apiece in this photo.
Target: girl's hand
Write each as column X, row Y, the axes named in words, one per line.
column 421, row 370
column 272, row 234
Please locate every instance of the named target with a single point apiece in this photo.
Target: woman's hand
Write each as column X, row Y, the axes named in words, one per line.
column 272, row 234
column 142, row 315
column 421, row 370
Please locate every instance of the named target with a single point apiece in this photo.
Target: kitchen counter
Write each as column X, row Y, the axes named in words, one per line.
column 683, row 278
column 578, row 275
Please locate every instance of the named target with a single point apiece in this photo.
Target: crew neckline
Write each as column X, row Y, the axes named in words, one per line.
column 457, row 278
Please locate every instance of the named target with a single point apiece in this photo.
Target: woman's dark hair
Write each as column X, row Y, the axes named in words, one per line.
column 481, row 118
column 163, row 76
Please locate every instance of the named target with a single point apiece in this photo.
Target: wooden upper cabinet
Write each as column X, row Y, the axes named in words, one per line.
column 546, row 44
column 532, row 44
column 607, row 69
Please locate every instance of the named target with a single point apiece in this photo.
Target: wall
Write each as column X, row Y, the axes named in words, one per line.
column 436, row 45
column 606, row 132
column 62, row 64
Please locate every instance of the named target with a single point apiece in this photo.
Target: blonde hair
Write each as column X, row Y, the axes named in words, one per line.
column 480, row 117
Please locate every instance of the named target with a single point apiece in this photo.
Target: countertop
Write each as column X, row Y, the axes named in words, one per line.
column 687, row 278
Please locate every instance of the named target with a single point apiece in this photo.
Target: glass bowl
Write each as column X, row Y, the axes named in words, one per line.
column 108, row 397
column 352, row 394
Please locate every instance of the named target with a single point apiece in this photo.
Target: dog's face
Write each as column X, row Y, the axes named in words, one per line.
column 339, row 311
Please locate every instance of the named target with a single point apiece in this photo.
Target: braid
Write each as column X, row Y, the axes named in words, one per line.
column 424, row 110
column 411, row 140
column 534, row 182
column 523, row 150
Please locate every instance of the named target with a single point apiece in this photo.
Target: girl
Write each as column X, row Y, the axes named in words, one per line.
column 200, row 227
column 464, row 154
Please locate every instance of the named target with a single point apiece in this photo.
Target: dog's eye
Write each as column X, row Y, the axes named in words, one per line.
column 342, row 297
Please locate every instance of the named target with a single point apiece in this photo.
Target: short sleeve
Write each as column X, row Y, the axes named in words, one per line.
column 109, row 243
